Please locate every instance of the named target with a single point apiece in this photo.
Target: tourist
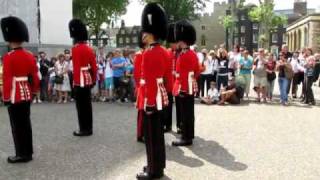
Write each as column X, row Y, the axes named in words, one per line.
column 271, row 75
column 234, row 58
column 37, row 95
column 285, row 73
column 214, row 57
column 260, row 76
column 222, row 75
column 62, row 83
column 231, row 94
column 245, row 66
column 298, row 71
column 68, row 57
column 118, row 64
column 44, row 64
column 213, row 95
column 309, row 79
column 101, row 74
column 108, row 78
column 52, row 74
column 207, row 75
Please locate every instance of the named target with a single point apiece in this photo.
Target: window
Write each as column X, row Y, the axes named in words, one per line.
column 127, row 40
column 274, row 38
column 120, row 41
column 255, row 26
column 243, row 17
column 135, row 40
column 243, row 40
column 284, row 38
column 235, row 30
column 203, row 40
column 236, row 40
column 203, row 27
column 123, row 31
column 255, row 38
column 243, row 29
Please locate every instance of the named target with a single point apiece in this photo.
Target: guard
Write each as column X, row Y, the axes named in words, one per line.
column 154, row 95
column 85, row 73
column 185, row 87
column 137, row 76
column 20, row 82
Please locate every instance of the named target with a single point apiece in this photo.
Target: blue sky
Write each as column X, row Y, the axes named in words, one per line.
column 134, row 10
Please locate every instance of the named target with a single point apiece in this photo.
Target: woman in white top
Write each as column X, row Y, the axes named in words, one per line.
column 207, row 75
column 61, row 70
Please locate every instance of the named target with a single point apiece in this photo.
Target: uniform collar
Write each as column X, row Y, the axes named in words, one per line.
column 17, row 48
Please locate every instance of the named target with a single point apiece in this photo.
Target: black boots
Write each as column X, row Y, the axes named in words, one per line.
column 19, row 159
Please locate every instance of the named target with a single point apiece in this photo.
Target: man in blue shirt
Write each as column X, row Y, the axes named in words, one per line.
column 246, row 63
column 118, row 64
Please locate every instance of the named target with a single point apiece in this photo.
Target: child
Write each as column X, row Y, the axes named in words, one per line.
column 213, row 95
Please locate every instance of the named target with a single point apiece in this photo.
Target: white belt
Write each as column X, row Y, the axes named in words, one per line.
column 190, row 82
column 159, row 96
column 13, row 90
column 81, row 75
column 177, row 75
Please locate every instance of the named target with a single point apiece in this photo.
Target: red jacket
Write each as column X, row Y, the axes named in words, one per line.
column 20, row 76
column 137, row 68
column 84, row 65
column 169, row 73
column 187, row 63
column 154, row 66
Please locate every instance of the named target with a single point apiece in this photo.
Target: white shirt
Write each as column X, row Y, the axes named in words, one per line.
column 209, row 63
column 213, row 94
column 296, row 66
column 200, row 57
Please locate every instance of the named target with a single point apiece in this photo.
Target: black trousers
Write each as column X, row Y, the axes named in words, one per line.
column 178, row 113
column 140, row 124
column 167, row 113
column 154, row 140
column 187, row 116
column 84, row 108
column 309, row 92
column 19, row 115
column 44, row 88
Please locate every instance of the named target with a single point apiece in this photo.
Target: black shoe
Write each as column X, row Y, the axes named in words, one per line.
column 144, row 176
column 179, row 131
column 84, row 133
column 140, row 139
column 19, row 159
column 158, row 175
column 182, row 143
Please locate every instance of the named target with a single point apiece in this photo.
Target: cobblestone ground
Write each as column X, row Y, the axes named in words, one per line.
column 251, row 141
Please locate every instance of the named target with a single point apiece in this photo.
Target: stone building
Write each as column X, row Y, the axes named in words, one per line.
column 305, row 32
column 246, row 32
column 47, row 22
column 127, row 37
column 209, row 31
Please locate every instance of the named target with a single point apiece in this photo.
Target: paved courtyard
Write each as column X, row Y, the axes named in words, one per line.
column 247, row 142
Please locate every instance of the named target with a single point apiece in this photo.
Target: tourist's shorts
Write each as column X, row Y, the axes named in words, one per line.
column 108, row 82
column 260, row 81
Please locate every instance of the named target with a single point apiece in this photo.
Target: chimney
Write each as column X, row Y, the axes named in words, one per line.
column 300, row 7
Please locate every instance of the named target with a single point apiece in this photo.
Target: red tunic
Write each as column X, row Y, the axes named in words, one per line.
column 153, row 74
column 170, row 72
column 20, row 76
column 84, row 65
column 137, row 68
column 187, row 69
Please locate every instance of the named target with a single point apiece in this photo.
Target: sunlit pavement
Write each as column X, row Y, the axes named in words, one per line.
column 250, row 141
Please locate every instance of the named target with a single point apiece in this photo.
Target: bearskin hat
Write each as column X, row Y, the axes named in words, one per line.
column 78, row 30
column 14, row 29
column 154, row 20
column 185, row 32
column 171, row 38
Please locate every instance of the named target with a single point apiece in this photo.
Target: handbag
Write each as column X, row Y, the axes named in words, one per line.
column 58, row 79
column 271, row 76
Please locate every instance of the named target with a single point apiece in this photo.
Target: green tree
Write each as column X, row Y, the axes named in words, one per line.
column 96, row 12
column 268, row 20
column 181, row 9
